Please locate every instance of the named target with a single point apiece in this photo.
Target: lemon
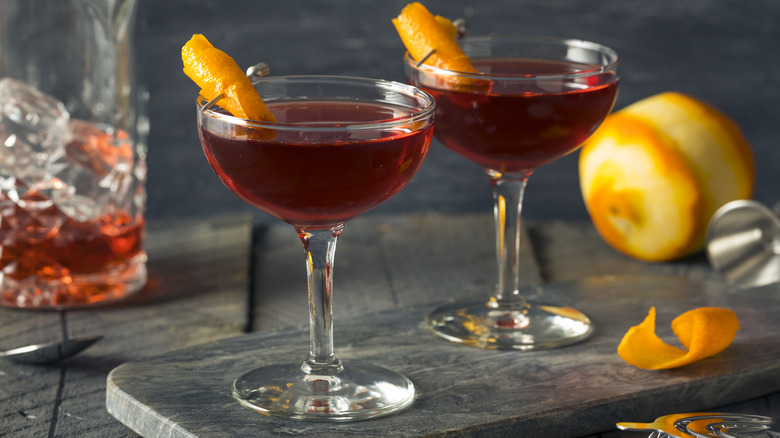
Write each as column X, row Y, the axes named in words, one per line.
column 655, row 172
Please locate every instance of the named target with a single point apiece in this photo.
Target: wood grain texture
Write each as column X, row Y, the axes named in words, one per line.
column 197, row 292
column 383, row 263
column 714, row 50
column 465, row 391
column 27, row 392
column 568, row 250
column 360, row 282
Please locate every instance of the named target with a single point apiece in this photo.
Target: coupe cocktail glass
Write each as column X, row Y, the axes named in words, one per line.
column 340, row 147
column 535, row 100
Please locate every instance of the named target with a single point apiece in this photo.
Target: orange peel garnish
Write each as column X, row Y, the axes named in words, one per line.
column 215, row 72
column 448, row 25
column 422, row 32
column 704, row 332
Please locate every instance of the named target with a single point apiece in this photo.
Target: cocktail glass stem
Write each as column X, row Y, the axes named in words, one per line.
column 507, row 321
column 507, row 207
column 322, row 388
column 320, row 247
column 339, row 147
column 534, row 100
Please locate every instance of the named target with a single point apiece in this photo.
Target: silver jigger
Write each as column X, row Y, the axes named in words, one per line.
column 743, row 243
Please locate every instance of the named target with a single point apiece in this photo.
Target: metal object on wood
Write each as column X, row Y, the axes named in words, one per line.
column 708, row 425
column 47, row 353
column 743, row 243
column 187, row 391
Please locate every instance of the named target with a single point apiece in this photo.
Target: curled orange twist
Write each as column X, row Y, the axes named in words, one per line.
column 215, row 72
column 704, row 331
column 422, row 32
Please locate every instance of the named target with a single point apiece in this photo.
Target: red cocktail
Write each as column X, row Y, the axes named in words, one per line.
column 517, row 126
column 339, row 147
column 532, row 101
column 319, row 178
column 71, row 231
column 75, row 263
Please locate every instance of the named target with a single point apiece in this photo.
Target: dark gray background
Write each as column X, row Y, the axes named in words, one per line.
column 725, row 52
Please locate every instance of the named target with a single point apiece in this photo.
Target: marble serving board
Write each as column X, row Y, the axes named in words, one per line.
column 462, row 391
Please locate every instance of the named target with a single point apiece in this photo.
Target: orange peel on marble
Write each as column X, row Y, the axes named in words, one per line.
column 704, row 332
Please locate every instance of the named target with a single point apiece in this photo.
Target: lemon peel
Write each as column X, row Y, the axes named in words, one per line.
column 704, row 332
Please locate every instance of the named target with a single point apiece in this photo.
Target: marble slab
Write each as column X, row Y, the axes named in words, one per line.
column 462, row 391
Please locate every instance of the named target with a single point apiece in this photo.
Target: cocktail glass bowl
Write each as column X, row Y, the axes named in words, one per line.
column 340, row 146
column 531, row 101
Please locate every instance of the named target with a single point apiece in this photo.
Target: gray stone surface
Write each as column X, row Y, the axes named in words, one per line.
column 567, row 392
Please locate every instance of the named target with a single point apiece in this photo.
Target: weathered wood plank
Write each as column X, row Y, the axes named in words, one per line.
column 360, row 280
column 568, row 250
column 467, row 391
column 280, row 280
column 436, row 258
column 197, row 293
column 383, row 263
column 28, row 392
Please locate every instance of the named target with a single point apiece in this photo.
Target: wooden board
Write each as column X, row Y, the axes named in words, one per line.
column 382, row 264
column 197, row 291
column 573, row 391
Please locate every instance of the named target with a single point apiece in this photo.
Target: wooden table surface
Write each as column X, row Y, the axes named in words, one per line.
column 210, row 280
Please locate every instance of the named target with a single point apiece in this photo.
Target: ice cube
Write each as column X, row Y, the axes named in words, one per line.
column 83, row 168
column 33, row 125
column 95, row 171
column 100, row 148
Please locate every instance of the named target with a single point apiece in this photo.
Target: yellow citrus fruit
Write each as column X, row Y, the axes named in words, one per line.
column 655, row 172
column 216, row 73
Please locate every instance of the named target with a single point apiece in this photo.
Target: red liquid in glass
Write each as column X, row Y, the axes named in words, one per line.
column 319, row 179
column 72, row 263
column 50, row 258
column 521, row 125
